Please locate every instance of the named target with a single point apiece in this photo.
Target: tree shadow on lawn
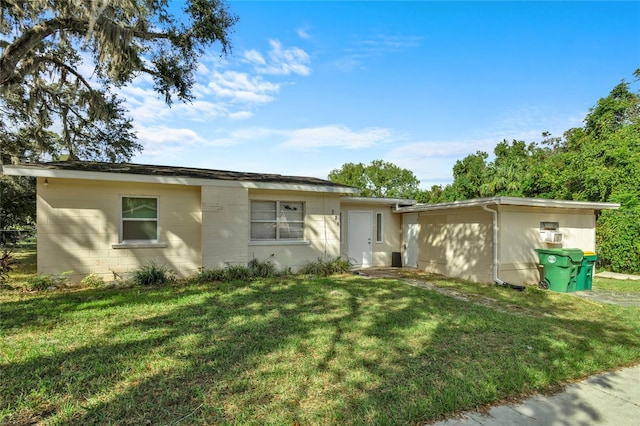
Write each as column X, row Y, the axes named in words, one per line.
column 340, row 351
column 43, row 308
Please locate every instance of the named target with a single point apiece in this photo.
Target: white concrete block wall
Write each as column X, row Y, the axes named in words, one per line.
column 79, row 222
column 225, row 226
column 321, row 229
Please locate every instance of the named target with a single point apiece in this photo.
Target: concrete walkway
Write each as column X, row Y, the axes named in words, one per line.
column 617, row 276
column 606, row 399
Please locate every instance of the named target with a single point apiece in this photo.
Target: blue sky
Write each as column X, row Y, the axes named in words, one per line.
column 310, row 86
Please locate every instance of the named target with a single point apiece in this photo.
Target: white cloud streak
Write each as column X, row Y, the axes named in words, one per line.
column 220, row 93
column 280, row 61
column 335, row 136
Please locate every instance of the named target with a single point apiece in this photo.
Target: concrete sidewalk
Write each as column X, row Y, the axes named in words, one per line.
column 617, row 276
column 607, row 399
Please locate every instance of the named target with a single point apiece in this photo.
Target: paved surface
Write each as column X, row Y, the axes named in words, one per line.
column 612, row 297
column 617, row 276
column 607, row 399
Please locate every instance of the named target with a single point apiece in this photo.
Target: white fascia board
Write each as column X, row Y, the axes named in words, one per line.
column 567, row 204
column 15, row 170
column 385, row 201
column 512, row 201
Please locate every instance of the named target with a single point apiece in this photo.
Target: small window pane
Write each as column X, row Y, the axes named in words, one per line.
column 263, row 210
column 277, row 220
column 292, row 231
column 145, row 208
column 263, row 231
column 379, row 227
column 133, row 230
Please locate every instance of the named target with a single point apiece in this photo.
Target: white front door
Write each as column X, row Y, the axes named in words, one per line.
column 410, row 239
column 359, row 230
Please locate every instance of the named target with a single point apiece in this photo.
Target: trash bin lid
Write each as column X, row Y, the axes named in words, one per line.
column 573, row 253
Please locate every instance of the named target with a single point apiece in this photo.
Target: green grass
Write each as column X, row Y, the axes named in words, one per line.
column 295, row 350
column 619, row 286
column 25, row 267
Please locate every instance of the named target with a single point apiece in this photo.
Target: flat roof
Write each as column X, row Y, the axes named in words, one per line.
column 511, row 201
column 131, row 172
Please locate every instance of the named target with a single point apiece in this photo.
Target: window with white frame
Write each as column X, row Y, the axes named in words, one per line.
column 379, row 234
column 277, row 220
column 139, row 216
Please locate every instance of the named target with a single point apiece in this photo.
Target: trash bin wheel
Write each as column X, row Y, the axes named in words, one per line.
column 544, row 284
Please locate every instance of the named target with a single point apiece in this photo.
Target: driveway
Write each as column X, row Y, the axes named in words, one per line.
column 611, row 297
column 597, row 296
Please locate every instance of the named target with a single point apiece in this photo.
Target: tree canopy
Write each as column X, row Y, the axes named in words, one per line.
column 378, row 179
column 599, row 161
column 60, row 61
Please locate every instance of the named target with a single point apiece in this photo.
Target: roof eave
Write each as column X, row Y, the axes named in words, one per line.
column 18, row 170
column 512, row 201
column 393, row 202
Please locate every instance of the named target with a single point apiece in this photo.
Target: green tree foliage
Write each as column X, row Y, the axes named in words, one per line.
column 378, row 179
column 469, row 174
column 597, row 162
column 60, row 60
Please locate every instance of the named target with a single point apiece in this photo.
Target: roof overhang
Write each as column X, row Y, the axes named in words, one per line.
column 512, row 201
column 392, row 202
column 27, row 170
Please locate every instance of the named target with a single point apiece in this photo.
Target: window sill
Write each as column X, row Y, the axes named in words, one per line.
column 278, row 243
column 138, row 245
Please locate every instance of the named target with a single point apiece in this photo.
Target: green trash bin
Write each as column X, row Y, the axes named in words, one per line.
column 561, row 267
column 584, row 280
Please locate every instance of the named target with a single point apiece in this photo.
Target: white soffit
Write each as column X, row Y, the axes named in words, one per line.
column 512, row 201
column 17, row 170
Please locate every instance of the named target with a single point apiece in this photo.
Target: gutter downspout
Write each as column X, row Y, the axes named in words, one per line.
column 496, row 263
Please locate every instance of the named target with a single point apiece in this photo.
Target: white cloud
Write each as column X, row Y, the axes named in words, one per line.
column 241, row 87
column 200, row 111
column 240, row 115
column 358, row 50
column 281, row 61
column 335, row 137
column 303, row 33
column 442, row 149
column 529, row 122
column 219, row 91
column 170, row 142
column 254, row 57
column 160, row 141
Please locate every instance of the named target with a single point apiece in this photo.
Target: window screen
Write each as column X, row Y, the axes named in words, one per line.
column 277, row 220
column 139, row 219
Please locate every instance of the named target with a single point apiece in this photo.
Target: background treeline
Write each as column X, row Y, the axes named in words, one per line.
column 599, row 161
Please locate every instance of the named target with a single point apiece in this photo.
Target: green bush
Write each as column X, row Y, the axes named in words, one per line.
column 207, row 275
column 237, row 273
column 324, row 268
column 152, row 274
column 255, row 269
column 617, row 240
column 42, row 282
column 262, row 269
column 92, row 280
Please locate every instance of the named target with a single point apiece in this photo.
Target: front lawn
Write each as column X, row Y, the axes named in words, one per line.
column 618, row 286
column 342, row 350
